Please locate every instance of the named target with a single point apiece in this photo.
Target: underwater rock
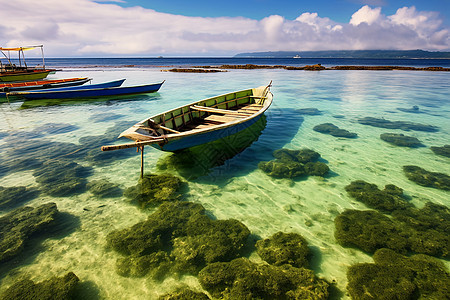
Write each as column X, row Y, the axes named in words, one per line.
column 400, row 140
column 308, row 111
column 410, row 229
column 394, row 276
column 11, row 197
column 444, row 150
column 184, row 294
column 61, row 288
column 55, row 128
column 415, row 109
column 387, row 200
column 182, row 232
column 404, row 125
column 243, row 279
column 156, row 263
column 284, row 248
column 333, row 130
column 153, row 189
column 279, row 169
column 208, row 241
column 426, row 178
column 369, row 230
column 104, row 189
column 61, row 178
column 19, row 225
column 104, row 117
column 294, row 163
column 427, row 228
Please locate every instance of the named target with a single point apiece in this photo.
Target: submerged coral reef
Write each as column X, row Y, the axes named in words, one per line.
column 404, row 125
column 184, row 294
column 17, row 227
column 243, row 279
column 444, row 150
column 333, row 130
column 426, row 178
column 153, row 189
column 177, row 237
column 394, row 276
column 61, row 288
column 388, row 200
column 401, row 140
column 294, row 163
column 14, row 196
column 284, row 248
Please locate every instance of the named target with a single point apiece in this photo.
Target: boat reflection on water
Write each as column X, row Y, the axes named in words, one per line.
column 198, row 161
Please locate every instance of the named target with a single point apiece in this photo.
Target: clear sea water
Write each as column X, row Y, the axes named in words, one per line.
column 237, row 189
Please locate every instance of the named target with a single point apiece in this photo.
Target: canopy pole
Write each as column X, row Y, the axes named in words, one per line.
column 142, row 161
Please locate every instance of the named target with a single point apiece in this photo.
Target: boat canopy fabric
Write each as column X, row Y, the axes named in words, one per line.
column 19, row 48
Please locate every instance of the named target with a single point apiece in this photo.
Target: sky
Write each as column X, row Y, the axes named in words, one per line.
column 146, row 28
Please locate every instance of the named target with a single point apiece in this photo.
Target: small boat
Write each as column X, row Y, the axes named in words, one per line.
column 11, row 72
column 89, row 91
column 42, row 84
column 200, row 122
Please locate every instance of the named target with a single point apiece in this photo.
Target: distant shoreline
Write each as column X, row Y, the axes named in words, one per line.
column 316, row 67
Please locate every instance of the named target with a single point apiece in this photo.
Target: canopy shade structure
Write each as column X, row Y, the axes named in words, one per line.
column 21, row 57
column 20, row 48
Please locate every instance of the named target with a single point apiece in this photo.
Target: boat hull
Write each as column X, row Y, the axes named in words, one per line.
column 23, row 76
column 83, row 92
column 206, row 137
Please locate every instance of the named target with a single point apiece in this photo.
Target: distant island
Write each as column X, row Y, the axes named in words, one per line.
column 380, row 54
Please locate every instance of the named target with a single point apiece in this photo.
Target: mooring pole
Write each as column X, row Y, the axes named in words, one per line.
column 142, row 161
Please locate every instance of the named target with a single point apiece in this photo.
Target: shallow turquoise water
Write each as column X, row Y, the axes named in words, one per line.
column 236, row 189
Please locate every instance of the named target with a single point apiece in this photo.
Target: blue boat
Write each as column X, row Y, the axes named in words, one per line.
column 87, row 92
column 200, row 122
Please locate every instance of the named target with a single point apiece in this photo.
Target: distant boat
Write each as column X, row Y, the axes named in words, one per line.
column 11, row 72
column 200, row 122
column 89, row 91
column 297, row 56
column 42, row 84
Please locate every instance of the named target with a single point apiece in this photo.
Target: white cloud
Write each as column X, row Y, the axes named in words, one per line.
column 366, row 15
column 84, row 27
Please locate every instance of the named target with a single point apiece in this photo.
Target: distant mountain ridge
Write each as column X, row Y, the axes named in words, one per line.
column 382, row 54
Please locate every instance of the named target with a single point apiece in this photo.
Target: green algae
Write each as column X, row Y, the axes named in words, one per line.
column 294, row 163
column 401, row 140
column 443, row 151
column 184, row 294
column 404, row 125
column 388, row 200
column 11, row 197
column 104, row 189
column 55, row 288
column 284, row 248
column 426, row 178
column 394, row 276
column 411, row 229
column 178, row 237
column 153, row 189
column 243, row 279
column 331, row 129
column 18, row 226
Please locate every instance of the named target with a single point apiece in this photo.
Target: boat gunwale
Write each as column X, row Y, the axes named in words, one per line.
column 176, row 136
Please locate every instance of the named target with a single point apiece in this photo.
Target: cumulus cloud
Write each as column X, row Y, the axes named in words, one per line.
column 91, row 28
column 366, row 15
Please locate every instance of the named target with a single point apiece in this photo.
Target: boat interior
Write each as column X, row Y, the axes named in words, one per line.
column 205, row 114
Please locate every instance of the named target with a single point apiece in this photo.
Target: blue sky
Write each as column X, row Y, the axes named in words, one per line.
column 338, row 10
column 126, row 28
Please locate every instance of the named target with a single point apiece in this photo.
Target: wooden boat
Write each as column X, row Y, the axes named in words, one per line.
column 21, row 72
column 87, row 92
column 199, row 122
column 42, row 84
